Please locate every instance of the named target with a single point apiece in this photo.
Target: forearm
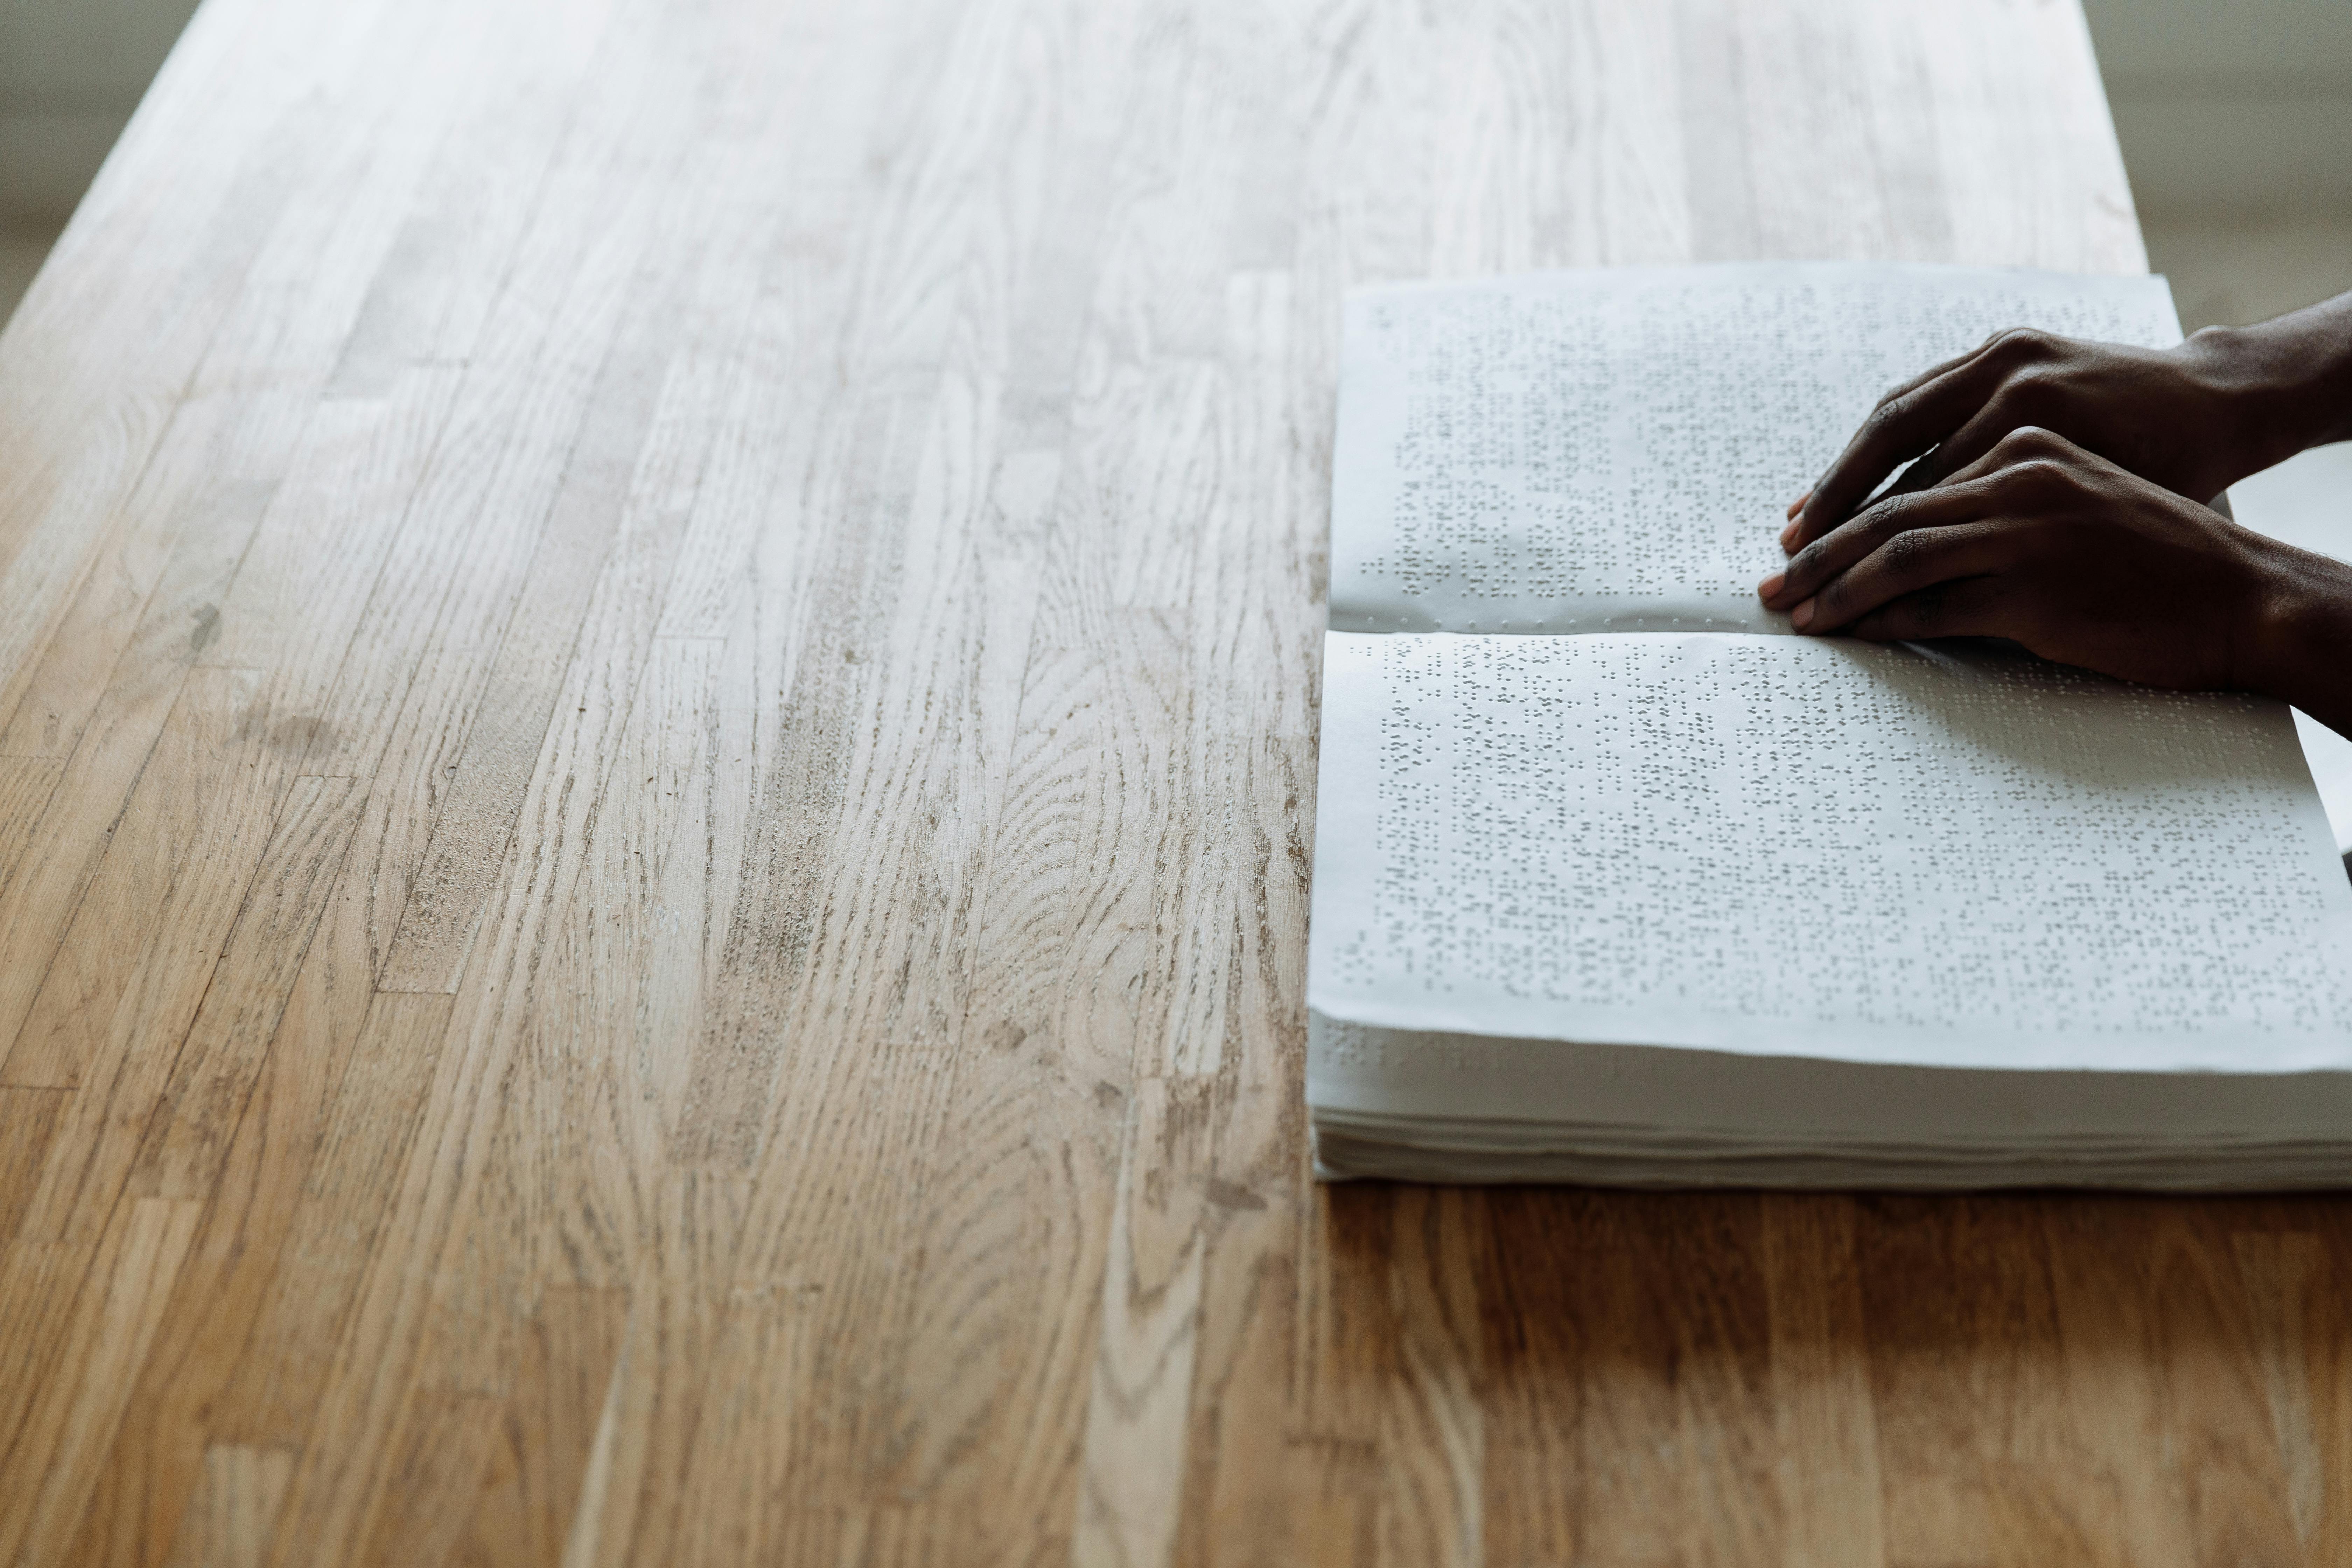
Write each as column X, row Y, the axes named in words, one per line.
column 2285, row 384
column 2298, row 642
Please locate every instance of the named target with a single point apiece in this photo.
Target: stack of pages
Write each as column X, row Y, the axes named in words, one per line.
column 1617, row 881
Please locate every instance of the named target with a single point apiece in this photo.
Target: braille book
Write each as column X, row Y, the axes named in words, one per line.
column 1617, row 880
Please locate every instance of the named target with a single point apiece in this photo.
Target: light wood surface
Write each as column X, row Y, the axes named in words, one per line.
column 657, row 670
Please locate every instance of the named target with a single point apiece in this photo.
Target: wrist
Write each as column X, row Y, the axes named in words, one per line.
column 2294, row 638
column 2277, row 387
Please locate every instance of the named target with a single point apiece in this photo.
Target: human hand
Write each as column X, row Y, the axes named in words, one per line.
column 2189, row 418
column 2057, row 548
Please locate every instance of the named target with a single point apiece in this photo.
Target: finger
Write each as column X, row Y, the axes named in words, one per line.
column 1911, row 561
column 1789, row 532
column 1915, row 477
column 1878, row 524
column 1944, row 367
column 1899, row 429
column 1966, row 451
column 2013, row 448
column 1919, row 476
column 1969, row 608
column 1908, row 422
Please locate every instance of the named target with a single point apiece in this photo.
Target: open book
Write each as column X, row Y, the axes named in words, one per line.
column 1617, row 880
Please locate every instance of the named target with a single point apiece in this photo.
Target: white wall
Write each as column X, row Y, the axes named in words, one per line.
column 2231, row 106
column 71, row 73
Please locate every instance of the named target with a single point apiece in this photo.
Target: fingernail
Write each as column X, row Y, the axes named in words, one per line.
column 1771, row 586
column 1798, row 505
column 1788, row 537
column 1802, row 616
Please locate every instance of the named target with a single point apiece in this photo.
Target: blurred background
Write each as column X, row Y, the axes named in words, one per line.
column 2236, row 124
column 71, row 73
column 2235, row 117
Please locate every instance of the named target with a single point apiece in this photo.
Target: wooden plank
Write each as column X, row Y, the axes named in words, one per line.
column 332, row 522
column 28, row 1119
column 595, row 392
column 215, row 1071
column 63, row 1442
column 1241, row 1467
column 165, row 1483
column 639, row 1494
column 72, row 829
column 438, row 1469
column 328, row 1235
column 1832, row 1496
column 228, row 1523
column 2162, row 1303
column 1978, row 1452
column 469, row 840
column 536, row 1482
column 26, row 785
column 1138, row 1417
column 243, row 1187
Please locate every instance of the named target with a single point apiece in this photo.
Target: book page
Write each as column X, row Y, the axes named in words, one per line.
column 1613, row 450
column 1782, row 845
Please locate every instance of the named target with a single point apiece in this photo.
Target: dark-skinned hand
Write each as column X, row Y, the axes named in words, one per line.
column 2054, row 547
column 2194, row 418
column 2056, row 499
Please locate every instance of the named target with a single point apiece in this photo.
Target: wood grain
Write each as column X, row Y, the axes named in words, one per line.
column 657, row 776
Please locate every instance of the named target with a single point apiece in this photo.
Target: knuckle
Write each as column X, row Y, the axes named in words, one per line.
column 1807, row 577
column 1885, row 420
column 2041, row 473
column 2023, row 390
column 1928, row 606
column 1911, row 616
column 2024, row 342
column 1903, row 551
column 2028, row 444
column 2014, row 487
column 2040, row 479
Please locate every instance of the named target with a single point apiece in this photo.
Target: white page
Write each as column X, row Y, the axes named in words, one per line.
column 1612, row 450
column 1783, row 845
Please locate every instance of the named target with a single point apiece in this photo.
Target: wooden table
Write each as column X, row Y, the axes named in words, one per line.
column 658, row 664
